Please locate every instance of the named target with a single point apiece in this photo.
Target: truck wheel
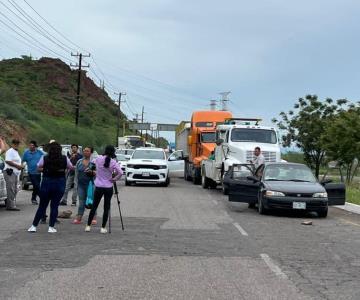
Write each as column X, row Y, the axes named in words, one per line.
column 197, row 176
column 204, row 181
column 187, row 177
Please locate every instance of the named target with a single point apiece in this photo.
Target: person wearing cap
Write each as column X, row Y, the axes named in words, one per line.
column 12, row 171
column 31, row 157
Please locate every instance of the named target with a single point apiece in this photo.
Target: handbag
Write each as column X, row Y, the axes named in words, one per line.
column 90, row 195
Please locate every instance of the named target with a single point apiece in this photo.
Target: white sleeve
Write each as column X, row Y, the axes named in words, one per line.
column 9, row 155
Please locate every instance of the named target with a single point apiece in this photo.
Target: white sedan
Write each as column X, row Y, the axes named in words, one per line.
column 151, row 165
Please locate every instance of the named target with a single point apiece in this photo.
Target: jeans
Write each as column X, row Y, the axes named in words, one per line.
column 98, row 194
column 69, row 182
column 82, row 193
column 11, row 189
column 51, row 190
column 35, row 180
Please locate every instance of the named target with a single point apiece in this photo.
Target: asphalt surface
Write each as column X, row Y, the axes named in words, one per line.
column 181, row 242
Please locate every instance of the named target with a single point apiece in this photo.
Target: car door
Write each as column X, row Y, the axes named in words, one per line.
column 242, row 189
column 176, row 164
column 336, row 193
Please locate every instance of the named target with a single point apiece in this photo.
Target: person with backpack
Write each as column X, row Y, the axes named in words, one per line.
column 53, row 166
column 108, row 172
column 85, row 171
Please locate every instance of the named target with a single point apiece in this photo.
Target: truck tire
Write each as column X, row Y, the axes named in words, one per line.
column 225, row 190
column 197, row 176
column 187, row 177
column 205, row 181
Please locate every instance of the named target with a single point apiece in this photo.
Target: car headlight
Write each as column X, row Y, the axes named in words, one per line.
column 320, row 195
column 163, row 167
column 130, row 166
column 274, row 194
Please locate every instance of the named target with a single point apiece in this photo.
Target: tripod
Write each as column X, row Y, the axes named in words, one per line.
column 116, row 192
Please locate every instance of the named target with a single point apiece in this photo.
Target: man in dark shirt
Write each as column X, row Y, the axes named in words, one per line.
column 74, row 156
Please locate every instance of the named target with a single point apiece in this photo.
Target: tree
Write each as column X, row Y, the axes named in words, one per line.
column 306, row 125
column 342, row 140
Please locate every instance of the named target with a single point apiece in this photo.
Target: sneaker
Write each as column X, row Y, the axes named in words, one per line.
column 94, row 222
column 32, row 229
column 87, row 228
column 63, row 203
column 103, row 230
column 76, row 221
column 52, row 230
column 73, row 204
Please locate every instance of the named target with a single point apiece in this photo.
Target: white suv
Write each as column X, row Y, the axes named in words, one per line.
column 150, row 165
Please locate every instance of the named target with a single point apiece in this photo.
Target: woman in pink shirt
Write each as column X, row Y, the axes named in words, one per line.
column 107, row 173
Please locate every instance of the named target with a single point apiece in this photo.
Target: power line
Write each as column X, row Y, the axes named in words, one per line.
column 29, row 21
column 53, row 28
column 31, row 37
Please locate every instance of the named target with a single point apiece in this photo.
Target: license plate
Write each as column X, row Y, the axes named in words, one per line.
column 299, row 205
column 146, row 174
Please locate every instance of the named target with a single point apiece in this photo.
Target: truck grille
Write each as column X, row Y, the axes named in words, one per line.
column 270, row 156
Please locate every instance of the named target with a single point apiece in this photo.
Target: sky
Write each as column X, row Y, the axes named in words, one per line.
column 174, row 56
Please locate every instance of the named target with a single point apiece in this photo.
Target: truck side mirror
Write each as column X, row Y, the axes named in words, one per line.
column 219, row 142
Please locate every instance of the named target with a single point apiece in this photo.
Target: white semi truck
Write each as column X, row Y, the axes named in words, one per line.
column 236, row 141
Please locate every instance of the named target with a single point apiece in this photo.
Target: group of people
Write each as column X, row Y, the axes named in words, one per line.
column 53, row 174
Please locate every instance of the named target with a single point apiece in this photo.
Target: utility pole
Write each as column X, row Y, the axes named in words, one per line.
column 213, row 104
column 79, row 66
column 142, row 120
column 118, row 116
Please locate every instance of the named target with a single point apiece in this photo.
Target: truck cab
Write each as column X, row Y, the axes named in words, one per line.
column 236, row 141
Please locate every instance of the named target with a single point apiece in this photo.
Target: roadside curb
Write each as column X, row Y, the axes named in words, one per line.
column 354, row 208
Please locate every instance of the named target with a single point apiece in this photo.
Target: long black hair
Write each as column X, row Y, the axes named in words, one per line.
column 55, row 157
column 109, row 153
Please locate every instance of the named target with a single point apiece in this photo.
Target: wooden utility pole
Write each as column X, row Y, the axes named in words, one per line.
column 118, row 116
column 79, row 66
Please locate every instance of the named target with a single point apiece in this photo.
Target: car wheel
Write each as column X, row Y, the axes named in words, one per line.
column 323, row 213
column 261, row 209
column 167, row 182
column 225, row 190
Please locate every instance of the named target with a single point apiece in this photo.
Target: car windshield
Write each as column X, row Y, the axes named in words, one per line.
column 148, row 154
column 125, row 151
column 208, row 137
column 253, row 135
column 121, row 157
column 289, row 172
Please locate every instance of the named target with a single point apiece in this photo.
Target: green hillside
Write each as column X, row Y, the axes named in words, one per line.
column 37, row 101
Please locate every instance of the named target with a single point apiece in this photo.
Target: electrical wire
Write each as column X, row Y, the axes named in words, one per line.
column 53, row 28
column 29, row 21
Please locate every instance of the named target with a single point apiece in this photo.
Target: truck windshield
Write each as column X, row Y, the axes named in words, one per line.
column 253, row 135
column 208, row 137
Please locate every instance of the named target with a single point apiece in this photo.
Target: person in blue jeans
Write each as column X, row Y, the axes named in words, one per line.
column 53, row 166
column 31, row 157
column 84, row 173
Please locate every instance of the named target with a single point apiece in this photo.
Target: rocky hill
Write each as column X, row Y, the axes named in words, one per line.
column 37, row 101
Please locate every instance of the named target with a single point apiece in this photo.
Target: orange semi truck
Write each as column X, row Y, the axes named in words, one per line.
column 197, row 139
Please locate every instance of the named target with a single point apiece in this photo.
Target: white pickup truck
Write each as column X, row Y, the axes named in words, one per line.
column 236, row 141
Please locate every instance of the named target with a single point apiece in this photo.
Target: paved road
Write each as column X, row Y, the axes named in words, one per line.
column 181, row 242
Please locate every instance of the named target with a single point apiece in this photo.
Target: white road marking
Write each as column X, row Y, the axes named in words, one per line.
column 273, row 267
column 238, row 227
